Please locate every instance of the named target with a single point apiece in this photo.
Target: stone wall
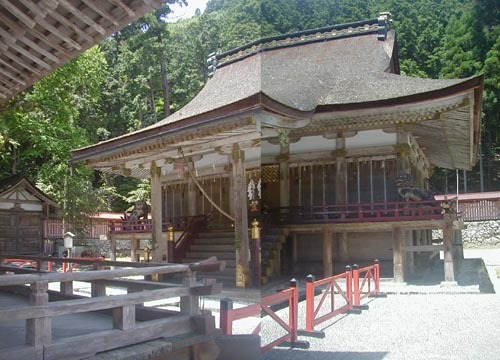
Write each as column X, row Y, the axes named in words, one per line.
column 481, row 234
column 101, row 247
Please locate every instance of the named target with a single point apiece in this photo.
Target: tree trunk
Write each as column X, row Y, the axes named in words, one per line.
column 164, row 80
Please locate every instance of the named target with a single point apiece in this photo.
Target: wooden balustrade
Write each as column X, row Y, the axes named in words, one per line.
column 126, row 328
column 362, row 212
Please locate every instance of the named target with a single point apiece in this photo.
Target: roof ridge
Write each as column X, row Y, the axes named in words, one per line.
column 378, row 25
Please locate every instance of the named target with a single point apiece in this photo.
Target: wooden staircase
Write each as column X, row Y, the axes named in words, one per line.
column 219, row 243
column 271, row 244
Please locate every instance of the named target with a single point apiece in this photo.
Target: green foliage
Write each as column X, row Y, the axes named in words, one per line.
column 151, row 67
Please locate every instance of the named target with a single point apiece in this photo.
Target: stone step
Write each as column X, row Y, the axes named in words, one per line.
column 216, row 234
column 206, row 254
column 212, row 247
column 214, row 241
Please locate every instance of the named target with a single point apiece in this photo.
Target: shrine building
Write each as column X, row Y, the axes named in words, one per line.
column 304, row 136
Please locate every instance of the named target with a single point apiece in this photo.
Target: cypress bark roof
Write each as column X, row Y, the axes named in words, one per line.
column 332, row 76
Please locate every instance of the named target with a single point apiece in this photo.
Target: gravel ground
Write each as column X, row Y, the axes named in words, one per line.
column 428, row 322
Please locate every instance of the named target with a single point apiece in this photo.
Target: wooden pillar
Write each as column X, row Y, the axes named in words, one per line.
column 327, row 252
column 191, row 192
column 159, row 245
column 284, row 172
column 240, row 218
column 39, row 330
column 341, row 190
column 403, row 152
column 397, row 248
column 409, row 256
column 449, row 271
column 295, row 253
column 343, row 248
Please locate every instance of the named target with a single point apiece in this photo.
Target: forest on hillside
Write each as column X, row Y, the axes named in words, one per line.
column 153, row 67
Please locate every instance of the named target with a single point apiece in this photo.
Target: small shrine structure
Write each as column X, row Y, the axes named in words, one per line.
column 23, row 211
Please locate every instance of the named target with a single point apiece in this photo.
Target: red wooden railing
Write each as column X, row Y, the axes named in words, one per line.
column 369, row 284
column 332, row 283
column 183, row 243
column 363, row 212
column 290, row 324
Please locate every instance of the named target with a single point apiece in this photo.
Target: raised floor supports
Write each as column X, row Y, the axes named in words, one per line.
column 397, row 246
column 448, row 234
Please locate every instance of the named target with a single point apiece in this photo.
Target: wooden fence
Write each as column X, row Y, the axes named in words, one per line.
column 128, row 328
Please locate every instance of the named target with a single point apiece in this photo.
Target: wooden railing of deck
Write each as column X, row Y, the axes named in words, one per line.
column 362, row 212
column 126, row 330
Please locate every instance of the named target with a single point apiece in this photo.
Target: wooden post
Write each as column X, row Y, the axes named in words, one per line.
column 295, row 253
column 284, row 169
column 124, row 317
column 343, row 246
column 39, row 330
column 340, row 191
column 189, row 304
column 191, row 192
column 240, row 218
column 409, row 255
column 97, row 290
column 327, row 252
column 160, row 248
column 397, row 248
column 66, row 287
column 403, row 151
column 449, row 271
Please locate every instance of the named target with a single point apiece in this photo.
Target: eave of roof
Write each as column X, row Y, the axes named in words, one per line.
column 40, row 36
column 18, row 180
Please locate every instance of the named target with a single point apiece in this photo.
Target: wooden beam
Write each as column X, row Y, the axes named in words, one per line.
column 124, row 7
column 18, row 60
column 23, row 17
column 99, row 9
column 70, row 24
column 82, row 16
column 22, row 32
column 29, row 55
column 11, row 39
column 423, row 248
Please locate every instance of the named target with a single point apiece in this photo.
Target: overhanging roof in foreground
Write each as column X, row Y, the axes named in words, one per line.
column 331, row 79
column 38, row 36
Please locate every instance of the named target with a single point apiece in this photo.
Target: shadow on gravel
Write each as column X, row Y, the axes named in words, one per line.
column 291, row 354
